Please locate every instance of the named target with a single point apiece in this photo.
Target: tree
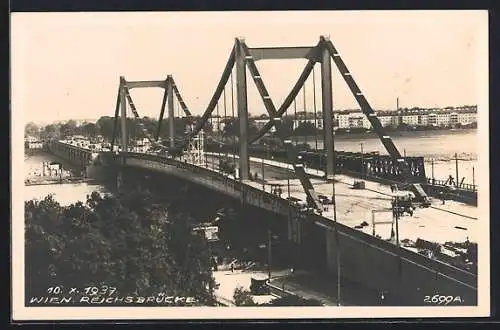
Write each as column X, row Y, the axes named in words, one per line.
column 31, row 129
column 90, row 129
column 69, row 128
column 50, row 131
column 232, row 127
column 129, row 242
column 305, row 129
column 242, row 297
column 105, row 127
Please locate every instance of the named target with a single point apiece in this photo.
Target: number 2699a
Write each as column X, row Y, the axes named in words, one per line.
column 443, row 300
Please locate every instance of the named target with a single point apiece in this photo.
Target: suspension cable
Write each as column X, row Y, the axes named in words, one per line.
column 232, row 115
column 218, row 130
column 295, row 116
column 225, row 116
column 178, row 117
column 315, row 115
column 305, row 110
column 218, row 117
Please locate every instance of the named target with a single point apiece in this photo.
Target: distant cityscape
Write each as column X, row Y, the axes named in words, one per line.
column 300, row 123
column 416, row 118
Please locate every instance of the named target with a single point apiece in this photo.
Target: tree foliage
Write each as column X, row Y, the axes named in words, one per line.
column 242, row 297
column 305, row 129
column 127, row 242
column 31, row 129
column 50, row 131
column 232, row 127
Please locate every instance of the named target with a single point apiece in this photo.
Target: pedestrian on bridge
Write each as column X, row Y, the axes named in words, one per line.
column 442, row 197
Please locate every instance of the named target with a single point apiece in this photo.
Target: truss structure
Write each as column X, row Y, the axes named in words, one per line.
column 195, row 152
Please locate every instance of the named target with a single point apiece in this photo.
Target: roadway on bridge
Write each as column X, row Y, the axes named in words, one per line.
column 355, row 206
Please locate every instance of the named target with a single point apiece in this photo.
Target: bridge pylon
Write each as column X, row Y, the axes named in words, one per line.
column 124, row 101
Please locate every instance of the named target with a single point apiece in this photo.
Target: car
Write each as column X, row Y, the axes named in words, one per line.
column 324, row 199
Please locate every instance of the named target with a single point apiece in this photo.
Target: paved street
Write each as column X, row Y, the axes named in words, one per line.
column 437, row 223
column 228, row 281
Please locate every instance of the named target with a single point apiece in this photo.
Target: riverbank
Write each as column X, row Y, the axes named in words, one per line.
column 354, row 135
column 53, row 181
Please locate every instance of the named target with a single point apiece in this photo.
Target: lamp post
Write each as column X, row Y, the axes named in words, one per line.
column 288, row 181
column 396, row 217
column 362, row 165
column 269, row 253
column 473, row 179
column 432, row 170
column 263, row 179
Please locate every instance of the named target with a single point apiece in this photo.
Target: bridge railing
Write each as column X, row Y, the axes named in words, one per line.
column 283, row 204
column 444, row 183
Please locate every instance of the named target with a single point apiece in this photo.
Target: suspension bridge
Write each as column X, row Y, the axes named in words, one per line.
column 312, row 188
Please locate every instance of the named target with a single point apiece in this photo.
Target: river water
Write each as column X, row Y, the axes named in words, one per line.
column 437, row 147
column 65, row 194
column 440, row 146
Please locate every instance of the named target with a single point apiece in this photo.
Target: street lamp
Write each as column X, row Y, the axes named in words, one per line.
column 269, row 237
column 362, row 165
column 396, row 218
column 263, row 178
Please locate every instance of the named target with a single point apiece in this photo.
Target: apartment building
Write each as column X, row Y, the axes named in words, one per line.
column 318, row 123
column 467, row 117
column 385, row 119
column 443, row 119
column 411, row 120
column 414, row 117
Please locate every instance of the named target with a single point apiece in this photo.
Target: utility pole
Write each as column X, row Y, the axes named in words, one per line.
column 269, row 237
column 396, row 218
column 362, row 165
column 334, row 205
column 289, row 203
column 473, row 179
column 432, row 170
column 288, row 181
column 263, row 181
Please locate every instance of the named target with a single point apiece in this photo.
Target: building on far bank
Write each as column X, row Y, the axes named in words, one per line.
column 414, row 117
column 31, row 142
column 355, row 119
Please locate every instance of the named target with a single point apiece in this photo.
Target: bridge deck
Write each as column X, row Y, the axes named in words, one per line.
column 437, row 223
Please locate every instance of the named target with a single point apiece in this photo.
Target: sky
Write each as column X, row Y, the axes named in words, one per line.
column 67, row 65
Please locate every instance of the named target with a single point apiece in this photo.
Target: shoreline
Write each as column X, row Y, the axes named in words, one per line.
column 55, row 181
column 394, row 133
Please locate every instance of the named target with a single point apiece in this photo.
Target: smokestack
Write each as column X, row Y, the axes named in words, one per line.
column 397, row 103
